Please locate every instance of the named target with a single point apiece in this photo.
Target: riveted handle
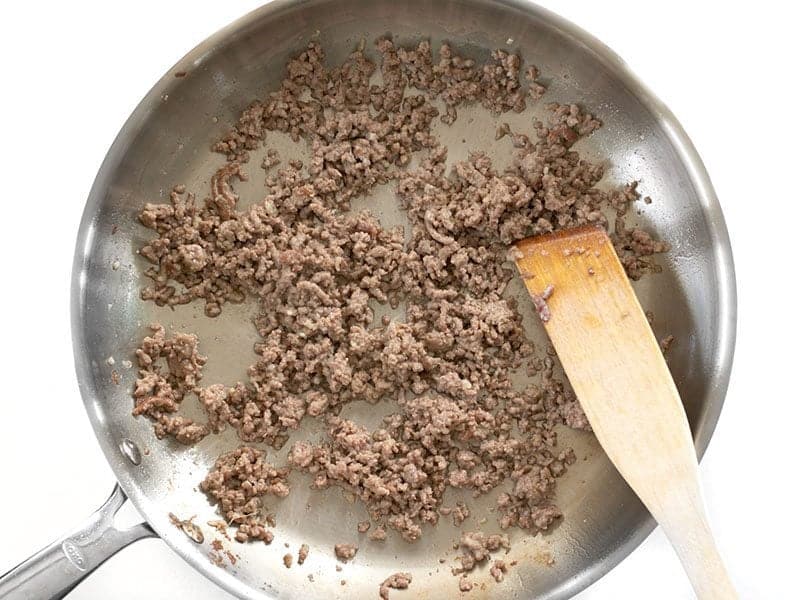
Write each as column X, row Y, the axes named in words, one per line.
column 57, row 569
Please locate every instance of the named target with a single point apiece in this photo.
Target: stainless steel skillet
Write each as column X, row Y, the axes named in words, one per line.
column 165, row 141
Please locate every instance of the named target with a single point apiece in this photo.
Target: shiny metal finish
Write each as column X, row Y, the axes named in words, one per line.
column 166, row 142
column 131, row 451
column 55, row 570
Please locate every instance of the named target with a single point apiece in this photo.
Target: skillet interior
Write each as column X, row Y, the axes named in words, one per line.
column 166, row 141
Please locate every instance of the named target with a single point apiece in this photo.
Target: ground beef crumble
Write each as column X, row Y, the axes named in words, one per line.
column 318, row 269
column 345, row 552
column 378, row 534
column 476, row 548
column 169, row 368
column 498, row 570
column 460, row 511
column 396, row 581
column 237, row 484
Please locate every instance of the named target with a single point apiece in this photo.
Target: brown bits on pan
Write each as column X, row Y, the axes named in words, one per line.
column 345, row 552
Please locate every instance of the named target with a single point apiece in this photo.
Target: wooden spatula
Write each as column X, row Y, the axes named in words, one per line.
column 617, row 370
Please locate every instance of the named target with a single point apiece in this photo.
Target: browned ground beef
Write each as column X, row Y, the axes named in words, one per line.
column 237, row 483
column 318, row 269
column 396, row 581
column 476, row 547
column 460, row 511
column 378, row 534
column 345, row 552
column 302, row 554
column 159, row 391
column 498, row 570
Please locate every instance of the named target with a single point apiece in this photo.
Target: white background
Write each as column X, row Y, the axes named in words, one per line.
column 73, row 71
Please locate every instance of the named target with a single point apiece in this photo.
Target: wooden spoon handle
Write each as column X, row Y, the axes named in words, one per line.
column 687, row 529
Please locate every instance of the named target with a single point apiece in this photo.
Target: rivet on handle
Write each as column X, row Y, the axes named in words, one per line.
column 130, row 451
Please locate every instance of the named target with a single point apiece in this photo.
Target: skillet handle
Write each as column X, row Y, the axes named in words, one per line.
column 54, row 571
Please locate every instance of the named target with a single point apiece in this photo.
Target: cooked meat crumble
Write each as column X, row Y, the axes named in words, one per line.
column 237, row 483
column 302, row 554
column 396, row 581
column 345, row 552
column 317, row 269
column 498, row 570
column 476, row 547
